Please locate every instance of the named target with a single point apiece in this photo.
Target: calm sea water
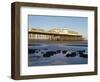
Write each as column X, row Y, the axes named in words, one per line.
column 62, row 54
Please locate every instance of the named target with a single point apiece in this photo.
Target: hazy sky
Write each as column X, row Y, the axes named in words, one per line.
column 78, row 24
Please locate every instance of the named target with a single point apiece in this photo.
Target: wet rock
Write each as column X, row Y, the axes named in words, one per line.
column 84, row 55
column 72, row 54
column 49, row 53
column 46, row 55
column 81, row 51
column 64, row 51
column 30, row 51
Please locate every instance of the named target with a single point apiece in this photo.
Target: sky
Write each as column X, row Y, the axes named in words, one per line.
column 78, row 24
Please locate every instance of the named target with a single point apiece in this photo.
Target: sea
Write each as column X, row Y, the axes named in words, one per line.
column 49, row 54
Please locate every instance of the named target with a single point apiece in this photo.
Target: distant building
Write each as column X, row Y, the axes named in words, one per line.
column 55, row 30
column 54, row 34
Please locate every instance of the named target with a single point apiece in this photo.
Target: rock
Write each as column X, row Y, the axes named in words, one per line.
column 64, row 51
column 31, row 51
column 84, row 55
column 81, row 51
column 49, row 53
column 73, row 54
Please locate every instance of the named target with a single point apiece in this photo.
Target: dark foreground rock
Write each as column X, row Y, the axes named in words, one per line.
column 64, row 51
column 32, row 51
column 49, row 53
column 84, row 55
column 72, row 54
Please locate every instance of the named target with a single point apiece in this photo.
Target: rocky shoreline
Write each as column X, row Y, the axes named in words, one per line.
column 80, row 53
column 42, row 54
